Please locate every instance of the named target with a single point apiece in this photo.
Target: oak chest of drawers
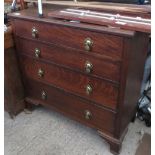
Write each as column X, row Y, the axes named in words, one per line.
column 90, row 73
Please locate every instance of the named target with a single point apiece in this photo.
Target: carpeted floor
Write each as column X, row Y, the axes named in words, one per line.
column 45, row 132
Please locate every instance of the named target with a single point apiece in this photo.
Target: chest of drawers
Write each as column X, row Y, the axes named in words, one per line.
column 90, row 73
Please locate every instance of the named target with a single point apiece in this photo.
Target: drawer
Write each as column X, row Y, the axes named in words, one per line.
column 86, row 63
column 85, row 40
column 71, row 105
column 99, row 91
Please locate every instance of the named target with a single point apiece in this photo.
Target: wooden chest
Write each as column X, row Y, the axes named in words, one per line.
column 87, row 72
column 13, row 90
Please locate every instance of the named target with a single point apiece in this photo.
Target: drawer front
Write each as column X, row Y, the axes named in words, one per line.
column 71, row 105
column 94, row 89
column 86, row 63
column 86, row 41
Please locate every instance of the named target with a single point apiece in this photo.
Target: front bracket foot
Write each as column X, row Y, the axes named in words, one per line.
column 115, row 144
column 115, row 148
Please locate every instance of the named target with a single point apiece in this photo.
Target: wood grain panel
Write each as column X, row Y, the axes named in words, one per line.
column 103, row 93
column 70, row 105
column 109, row 45
column 13, row 90
column 102, row 66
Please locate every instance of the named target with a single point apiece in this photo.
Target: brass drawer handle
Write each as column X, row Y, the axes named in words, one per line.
column 43, row 95
column 40, row 72
column 88, row 43
column 37, row 53
column 88, row 67
column 88, row 115
column 89, row 89
column 34, row 32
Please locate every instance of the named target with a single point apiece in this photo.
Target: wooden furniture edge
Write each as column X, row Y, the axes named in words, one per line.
column 115, row 144
column 96, row 28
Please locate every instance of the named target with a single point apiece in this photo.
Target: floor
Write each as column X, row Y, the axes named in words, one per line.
column 145, row 147
column 45, row 132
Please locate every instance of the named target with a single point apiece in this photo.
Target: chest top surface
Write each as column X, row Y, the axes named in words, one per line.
column 31, row 14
